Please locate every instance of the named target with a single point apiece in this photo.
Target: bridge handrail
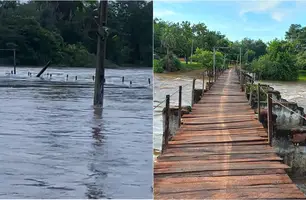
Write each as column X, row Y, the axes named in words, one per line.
column 273, row 99
column 163, row 101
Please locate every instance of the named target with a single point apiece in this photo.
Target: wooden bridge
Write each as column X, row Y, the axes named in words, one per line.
column 221, row 151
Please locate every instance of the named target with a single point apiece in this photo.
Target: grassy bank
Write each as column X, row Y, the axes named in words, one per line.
column 182, row 66
column 302, row 75
column 188, row 67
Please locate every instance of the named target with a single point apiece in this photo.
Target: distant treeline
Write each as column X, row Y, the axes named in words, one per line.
column 65, row 32
column 275, row 60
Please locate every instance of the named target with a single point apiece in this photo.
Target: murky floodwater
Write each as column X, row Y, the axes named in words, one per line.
column 292, row 91
column 169, row 83
column 54, row 144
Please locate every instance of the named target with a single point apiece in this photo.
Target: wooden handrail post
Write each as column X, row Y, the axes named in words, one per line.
column 166, row 132
column 270, row 120
column 180, row 106
column 192, row 92
column 258, row 101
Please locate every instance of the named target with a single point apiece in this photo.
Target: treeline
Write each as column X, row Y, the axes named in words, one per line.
column 66, row 32
column 178, row 39
column 276, row 60
column 284, row 58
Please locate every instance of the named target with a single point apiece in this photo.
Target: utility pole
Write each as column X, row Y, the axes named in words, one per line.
column 240, row 56
column 14, row 61
column 224, row 61
column 101, row 48
column 214, row 60
column 247, row 57
column 191, row 51
column 240, row 68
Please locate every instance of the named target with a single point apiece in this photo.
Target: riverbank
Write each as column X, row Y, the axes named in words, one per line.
column 302, row 75
column 181, row 66
column 108, row 65
column 190, row 66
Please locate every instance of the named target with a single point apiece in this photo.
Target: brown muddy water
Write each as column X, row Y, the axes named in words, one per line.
column 168, row 83
column 54, row 144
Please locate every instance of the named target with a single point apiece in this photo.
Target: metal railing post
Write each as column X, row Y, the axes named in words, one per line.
column 180, row 106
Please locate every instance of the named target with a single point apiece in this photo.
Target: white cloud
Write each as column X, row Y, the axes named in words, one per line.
column 278, row 16
column 162, row 13
column 258, row 6
column 272, row 7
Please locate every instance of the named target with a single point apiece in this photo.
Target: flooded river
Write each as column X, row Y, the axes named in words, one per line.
column 54, row 144
column 291, row 91
column 169, row 83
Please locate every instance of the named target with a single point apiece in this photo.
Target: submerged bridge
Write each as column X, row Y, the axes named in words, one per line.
column 221, row 151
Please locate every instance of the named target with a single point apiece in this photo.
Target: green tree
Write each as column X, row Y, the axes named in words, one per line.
column 279, row 63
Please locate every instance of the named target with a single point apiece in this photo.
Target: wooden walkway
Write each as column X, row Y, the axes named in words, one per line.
column 221, row 152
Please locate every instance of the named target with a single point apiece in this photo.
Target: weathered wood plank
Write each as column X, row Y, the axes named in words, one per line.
column 282, row 191
column 177, row 167
column 165, row 185
column 220, row 173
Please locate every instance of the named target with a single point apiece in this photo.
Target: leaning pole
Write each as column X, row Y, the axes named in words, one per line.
column 101, row 48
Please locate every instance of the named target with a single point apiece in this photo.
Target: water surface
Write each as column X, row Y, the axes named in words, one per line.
column 54, row 144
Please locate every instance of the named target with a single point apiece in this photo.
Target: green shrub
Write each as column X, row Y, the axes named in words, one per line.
column 157, row 66
column 171, row 63
column 77, row 56
column 278, row 64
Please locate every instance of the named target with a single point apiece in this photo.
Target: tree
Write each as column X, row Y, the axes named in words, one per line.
column 293, row 32
column 60, row 26
column 206, row 59
column 278, row 63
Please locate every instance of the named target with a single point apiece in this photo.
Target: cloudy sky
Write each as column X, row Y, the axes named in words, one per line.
column 237, row 19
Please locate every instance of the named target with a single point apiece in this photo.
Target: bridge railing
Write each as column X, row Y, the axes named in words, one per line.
column 179, row 108
column 264, row 91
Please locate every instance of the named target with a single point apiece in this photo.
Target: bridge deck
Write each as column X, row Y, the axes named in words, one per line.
column 221, row 152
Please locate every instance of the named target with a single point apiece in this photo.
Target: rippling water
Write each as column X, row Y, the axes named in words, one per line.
column 54, row 144
column 169, row 83
column 291, row 91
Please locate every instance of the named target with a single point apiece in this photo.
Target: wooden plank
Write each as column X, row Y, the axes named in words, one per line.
column 220, row 173
column 218, row 148
column 225, row 159
column 209, row 116
column 165, row 185
column 244, row 143
column 247, row 131
column 282, row 191
column 201, row 121
column 177, row 167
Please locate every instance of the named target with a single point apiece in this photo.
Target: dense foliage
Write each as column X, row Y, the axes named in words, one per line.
column 65, row 32
column 181, row 38
column 276, row 60
column 284, row 58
